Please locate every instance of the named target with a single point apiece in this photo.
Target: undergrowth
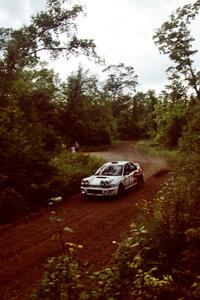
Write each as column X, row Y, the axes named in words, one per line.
column 70, row 169
column 154, row 149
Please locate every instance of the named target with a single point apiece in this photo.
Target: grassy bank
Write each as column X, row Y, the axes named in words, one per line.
column 153, row 148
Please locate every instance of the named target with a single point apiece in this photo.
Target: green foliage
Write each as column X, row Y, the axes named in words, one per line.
column 21, row 47
column 24, row 164
column 174, row 39
column 31, row 105
column 104, row 284
column 71, row 168
column 65, row 279
column 127, row 276
column 177, row 209
column 61, row 280
column 163, row 255
column 122, row 80
column 153, row 148
column 119, row 87
column 137, row 119
column 170, row 119
column 138, row 269
column 174, row 221
column 86, row 117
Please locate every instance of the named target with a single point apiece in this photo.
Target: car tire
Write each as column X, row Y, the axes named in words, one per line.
column 86, row 197
column 120, row 190
column 140, row 181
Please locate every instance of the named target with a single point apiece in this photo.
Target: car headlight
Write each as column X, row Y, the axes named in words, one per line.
column 105, row 184
column 102, row 184
column 84, row 182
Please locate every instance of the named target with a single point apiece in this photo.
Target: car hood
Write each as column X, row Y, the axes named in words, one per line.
column 97, row 179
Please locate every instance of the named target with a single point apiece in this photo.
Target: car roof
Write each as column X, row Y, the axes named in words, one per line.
column 117, row 162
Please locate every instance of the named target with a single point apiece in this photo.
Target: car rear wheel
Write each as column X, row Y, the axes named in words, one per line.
column 140, row 180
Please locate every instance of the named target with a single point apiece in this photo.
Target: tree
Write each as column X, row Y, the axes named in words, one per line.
column 86, row 117
column 30, row 101
column 170, row 120
column 120, row 86
column 176, row 91
column 53, row 30
column 138, row 120
column 174, row 39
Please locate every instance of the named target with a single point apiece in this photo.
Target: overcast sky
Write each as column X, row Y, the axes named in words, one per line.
column 121, row 29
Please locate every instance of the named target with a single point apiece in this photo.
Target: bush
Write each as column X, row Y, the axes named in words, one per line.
column 32, row 182
column 70, row 169
column 61, row 280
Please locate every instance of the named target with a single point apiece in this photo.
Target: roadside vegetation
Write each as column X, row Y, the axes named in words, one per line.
column 70, row 169
column 155, row 149
column 41, row 118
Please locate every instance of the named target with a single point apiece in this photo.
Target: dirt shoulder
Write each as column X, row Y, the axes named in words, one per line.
column 26, row 244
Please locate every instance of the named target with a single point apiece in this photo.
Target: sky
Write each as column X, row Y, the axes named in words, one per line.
column 122, row 31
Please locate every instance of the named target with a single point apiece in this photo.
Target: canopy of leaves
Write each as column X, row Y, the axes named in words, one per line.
column 53, row 30
column 174, row 39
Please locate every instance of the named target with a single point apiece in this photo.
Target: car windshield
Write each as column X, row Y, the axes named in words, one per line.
column 110, row 170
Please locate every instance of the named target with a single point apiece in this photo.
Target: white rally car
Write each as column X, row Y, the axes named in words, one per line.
column 112, row 179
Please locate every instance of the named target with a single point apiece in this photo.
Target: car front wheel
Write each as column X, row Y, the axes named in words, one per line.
column 120, row 190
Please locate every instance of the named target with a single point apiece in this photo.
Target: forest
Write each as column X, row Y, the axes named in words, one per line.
column 41, row 116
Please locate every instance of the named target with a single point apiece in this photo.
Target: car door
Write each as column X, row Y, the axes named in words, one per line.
column 133, row 174
column 127, row 176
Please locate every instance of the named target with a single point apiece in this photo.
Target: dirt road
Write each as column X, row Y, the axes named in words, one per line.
column 26, row 244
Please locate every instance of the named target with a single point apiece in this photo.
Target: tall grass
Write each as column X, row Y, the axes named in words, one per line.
column 153, row 148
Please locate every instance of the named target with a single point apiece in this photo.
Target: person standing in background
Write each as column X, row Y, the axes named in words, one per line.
column 77, row 146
